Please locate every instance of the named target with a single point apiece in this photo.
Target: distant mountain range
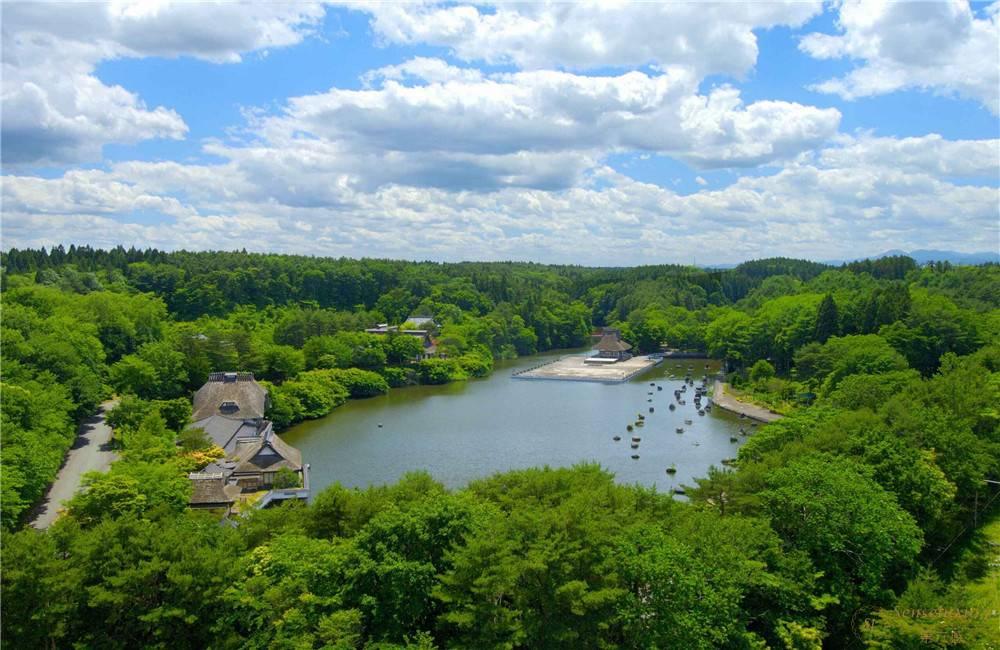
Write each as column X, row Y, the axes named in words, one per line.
column 920, row 256
column 924, row 256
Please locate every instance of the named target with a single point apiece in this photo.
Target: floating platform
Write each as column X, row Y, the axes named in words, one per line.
column 576, row 368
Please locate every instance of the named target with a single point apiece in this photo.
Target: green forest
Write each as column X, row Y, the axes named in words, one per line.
column 866, row 517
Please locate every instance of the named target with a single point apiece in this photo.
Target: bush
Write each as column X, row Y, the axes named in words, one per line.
column 284, row 409
column 285, row 478
column 477, row 363
column 440, row 371
column 397, row 377
column 194, row 439
column 871, row 391
column 360, row 383
column 194, row 461
column 315, row 398
column 128, row 415
column 762, row 370
column 312, row 394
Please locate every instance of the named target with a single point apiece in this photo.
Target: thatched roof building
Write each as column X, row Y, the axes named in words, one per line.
column 230, row 409
column 231, row 394
column 611, row 346
column 212, row 490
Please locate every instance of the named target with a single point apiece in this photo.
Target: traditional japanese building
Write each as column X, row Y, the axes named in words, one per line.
column 230, row 394
column 211, row 491
column 611, row 348
column 230, row 409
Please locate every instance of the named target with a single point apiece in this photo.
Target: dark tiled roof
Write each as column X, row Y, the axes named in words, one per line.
column 225, row 431
column 235, row 395
column 611, row 343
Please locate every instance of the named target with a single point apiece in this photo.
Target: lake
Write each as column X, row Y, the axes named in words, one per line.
column 468, row 430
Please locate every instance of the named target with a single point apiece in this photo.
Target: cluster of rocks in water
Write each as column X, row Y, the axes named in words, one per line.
column 702, row 404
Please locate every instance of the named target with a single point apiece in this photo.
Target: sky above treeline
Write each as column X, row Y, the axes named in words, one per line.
column 594, row 134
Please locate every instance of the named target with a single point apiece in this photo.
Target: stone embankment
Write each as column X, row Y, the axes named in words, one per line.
column 722, row 399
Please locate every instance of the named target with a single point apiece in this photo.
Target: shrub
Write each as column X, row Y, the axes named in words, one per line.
column 440, row 371
column 196, row 460
column 317, row 392
column 762, row 370
column 194, row 439
column 360, row 383
column 477, row 363
column 396, row 377
column 285, row 478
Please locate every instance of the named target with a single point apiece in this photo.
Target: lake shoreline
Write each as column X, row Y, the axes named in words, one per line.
column 723, row 399
column 467, row 430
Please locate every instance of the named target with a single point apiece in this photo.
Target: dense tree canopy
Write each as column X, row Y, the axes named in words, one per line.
column 889, row 374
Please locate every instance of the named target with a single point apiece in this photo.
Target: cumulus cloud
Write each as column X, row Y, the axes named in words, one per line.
column 428, row 123
column 428, row 159
column 57, row 111
column 929, row 154
column 828, row 205
column 92, row 192
column 705, row 38
column 938, row 46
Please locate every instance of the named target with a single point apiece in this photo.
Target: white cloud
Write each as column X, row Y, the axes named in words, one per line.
column 834, row 204
column 65, row 117
column 723, row 132
column 703, row 37
column 56, row 110
column 91, row 192
column 422, row 68
column 434, row 160
column 929, row 154
column 939, row 46
column 427, row 123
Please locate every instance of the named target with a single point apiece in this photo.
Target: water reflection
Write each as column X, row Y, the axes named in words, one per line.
column 468, row 430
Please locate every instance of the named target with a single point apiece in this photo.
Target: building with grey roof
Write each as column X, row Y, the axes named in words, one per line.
column 230, row 409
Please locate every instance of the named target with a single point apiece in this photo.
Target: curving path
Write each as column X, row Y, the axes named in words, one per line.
column 91, row 452
column 722, row 399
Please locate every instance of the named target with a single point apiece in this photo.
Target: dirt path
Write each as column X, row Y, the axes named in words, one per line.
column 91, row 451
column 722, row 399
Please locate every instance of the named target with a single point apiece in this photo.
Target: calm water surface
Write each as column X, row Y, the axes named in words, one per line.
column 468, row 430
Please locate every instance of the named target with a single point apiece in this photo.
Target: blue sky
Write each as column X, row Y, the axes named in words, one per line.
column 556, row 133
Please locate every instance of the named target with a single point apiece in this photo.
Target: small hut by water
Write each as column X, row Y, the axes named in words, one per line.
column 612, row 347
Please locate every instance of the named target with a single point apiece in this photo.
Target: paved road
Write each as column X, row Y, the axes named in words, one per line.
column 724, row 400
column 91, row 451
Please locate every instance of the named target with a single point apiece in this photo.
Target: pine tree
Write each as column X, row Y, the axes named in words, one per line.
column 827, row 321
